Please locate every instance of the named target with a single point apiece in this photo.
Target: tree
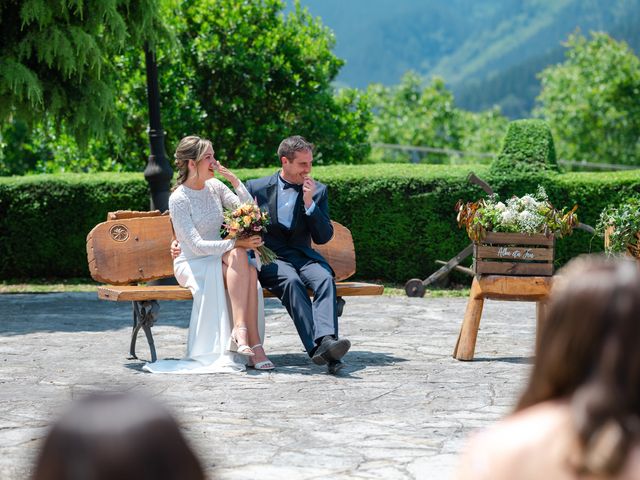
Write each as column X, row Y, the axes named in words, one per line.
column 248, row 76
column 56, row 59
column 482, row 132
column 240, row 73
column 591, row 101
column 413, row 114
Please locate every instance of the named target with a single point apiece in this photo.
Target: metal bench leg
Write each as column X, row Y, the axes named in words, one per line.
column 339, row 306
column 152, row 346
column 144, row 316
column 134, row 333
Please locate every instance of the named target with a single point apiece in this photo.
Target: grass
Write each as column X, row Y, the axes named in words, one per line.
column 87, row 285
column 397, row 290
column 48, row 285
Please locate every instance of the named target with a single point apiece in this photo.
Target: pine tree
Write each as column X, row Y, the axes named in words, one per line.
column 58, row 57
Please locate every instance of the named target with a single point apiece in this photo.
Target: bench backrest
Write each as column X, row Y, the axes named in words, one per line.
column 132, row 247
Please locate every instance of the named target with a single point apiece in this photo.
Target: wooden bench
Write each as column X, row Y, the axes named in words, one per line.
column 132, row 248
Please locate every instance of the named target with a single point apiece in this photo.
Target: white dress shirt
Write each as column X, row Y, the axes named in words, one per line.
column 287, row 202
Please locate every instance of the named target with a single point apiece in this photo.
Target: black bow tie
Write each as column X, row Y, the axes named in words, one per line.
column 286, row 184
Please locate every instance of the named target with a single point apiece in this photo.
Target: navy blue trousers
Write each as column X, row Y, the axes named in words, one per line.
column 289, row 280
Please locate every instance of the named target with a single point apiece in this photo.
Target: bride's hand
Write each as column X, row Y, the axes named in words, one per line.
column 228, row 174
column 175, row 249
column 250, row 243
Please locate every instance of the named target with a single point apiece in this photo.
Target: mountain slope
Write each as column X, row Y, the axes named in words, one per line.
column 461, row 40
column 515, row 89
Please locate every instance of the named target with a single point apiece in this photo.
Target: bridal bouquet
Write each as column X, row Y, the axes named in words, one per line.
column 245, row 221
column 530, row 214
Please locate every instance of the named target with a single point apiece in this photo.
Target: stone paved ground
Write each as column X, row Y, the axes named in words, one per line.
column 400, row 409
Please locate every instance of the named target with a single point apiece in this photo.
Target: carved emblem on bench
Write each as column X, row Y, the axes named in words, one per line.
column 119, row 233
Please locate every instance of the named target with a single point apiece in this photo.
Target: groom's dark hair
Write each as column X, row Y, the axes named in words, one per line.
column 289, row 146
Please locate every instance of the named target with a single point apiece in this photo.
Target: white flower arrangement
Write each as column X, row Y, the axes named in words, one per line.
column 529, row 214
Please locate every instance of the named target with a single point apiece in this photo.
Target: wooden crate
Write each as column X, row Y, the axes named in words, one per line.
column 514, row 254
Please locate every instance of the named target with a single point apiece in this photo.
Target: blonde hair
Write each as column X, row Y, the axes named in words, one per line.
column 189, row 148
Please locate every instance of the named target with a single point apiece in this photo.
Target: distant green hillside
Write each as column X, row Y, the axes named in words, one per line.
column 477, row 46
column 515, row 89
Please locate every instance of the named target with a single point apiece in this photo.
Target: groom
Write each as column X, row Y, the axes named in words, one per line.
column 299, row 211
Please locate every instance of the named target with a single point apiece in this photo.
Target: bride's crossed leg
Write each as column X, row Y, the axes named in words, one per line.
column 241, row 280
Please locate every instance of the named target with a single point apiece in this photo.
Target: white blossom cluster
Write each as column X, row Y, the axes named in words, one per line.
column 526, row 214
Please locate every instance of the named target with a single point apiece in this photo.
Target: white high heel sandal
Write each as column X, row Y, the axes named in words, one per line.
column 243, row 349
column 265, row 364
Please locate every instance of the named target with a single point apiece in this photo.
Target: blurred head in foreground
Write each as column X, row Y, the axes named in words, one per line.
column 116, row 436
column 589, row 354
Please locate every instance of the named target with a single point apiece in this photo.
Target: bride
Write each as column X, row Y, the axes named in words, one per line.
column 207, row 264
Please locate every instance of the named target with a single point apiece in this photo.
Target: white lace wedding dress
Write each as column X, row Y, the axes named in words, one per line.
column 197, row 216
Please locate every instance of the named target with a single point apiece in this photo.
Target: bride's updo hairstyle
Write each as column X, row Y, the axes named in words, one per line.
column 189, row 148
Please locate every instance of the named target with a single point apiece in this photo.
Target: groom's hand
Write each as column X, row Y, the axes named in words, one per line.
column 175, row 249
column 308, row 189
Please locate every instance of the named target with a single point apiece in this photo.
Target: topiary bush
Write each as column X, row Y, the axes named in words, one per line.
column 528, row 148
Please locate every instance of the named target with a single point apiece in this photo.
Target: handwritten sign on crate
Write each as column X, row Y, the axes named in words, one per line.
column 514, row 254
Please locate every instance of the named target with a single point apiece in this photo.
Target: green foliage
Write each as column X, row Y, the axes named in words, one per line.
column 527, row 149
column 56, row 59
column 623, row 224
column 413, row 113
column 44, row 219
column 482, row 132
column 592, row 192
column 48, row 148
column 530, row 214
column 240, row 73
column 18, row 154
column 591, row 101
column 251, row 77
column 402, row 216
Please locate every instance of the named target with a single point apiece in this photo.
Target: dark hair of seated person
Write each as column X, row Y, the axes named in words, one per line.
column 588, row 353
column 116, row 436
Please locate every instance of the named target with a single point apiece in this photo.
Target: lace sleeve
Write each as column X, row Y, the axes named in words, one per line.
column 230, row 199
column 188, row 235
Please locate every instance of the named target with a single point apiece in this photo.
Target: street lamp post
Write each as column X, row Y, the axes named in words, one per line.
column 158, row 172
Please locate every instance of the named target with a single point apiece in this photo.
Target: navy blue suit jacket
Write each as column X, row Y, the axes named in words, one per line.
column 304, row 228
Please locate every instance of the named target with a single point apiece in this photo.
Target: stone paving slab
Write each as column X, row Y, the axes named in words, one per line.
column 400, row 409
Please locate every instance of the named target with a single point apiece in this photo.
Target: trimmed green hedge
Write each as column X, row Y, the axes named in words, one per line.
column 44, row 219
column 402, row 216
